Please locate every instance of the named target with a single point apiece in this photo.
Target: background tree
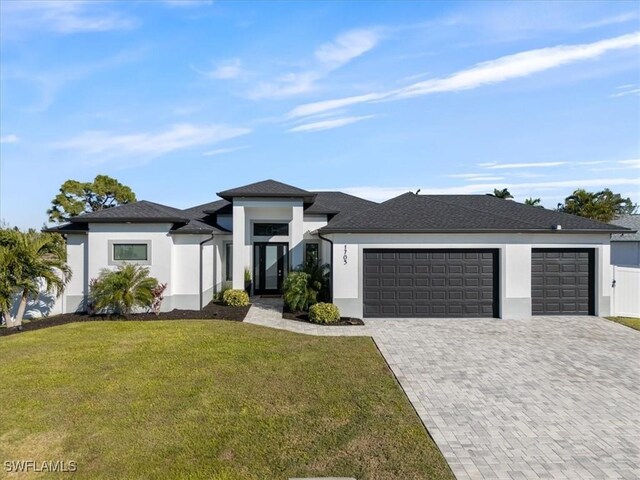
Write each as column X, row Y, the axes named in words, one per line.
column 29, row 261
column 534, row 202
column 77, row 197
column 503, row 193
column 603, row 206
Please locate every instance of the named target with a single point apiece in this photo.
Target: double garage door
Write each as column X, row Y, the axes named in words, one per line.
column 464, row 283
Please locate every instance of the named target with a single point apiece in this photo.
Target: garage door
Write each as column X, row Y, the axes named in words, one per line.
column 562, row 281
column 430, row 283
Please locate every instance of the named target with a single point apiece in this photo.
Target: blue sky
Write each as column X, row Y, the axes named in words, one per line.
column 181, row 99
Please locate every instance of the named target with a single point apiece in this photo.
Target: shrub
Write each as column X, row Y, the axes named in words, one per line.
column 158, row 297
column 225, row 286
column 324, row 313
column 318, row 282
column 235, row 298
column 296, row 291
column 122, row 290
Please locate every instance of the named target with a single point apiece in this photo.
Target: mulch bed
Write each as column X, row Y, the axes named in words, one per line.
column 213, row 311
column 304, row 317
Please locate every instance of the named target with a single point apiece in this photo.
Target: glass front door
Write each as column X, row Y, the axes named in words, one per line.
column 270, row 266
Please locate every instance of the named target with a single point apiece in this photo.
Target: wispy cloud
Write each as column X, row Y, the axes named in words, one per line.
column 63, row 17
column 328, row 124
column 222, row 151
column 495, row 165
column 328, row 57
column 12, row 138
column 624, row 90
column 475, row 177
column 634, row 163
column 227, row 70
column 101, row 146
column 505, row 68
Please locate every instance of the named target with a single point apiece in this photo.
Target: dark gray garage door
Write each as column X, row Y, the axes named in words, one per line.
column 562, row 281
column 430, row 283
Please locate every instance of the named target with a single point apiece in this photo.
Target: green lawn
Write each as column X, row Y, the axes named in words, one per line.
column 207, row 399
column 628, row 321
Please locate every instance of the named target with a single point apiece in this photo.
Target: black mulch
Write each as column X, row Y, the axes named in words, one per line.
column 304, row 317
column 213, row 311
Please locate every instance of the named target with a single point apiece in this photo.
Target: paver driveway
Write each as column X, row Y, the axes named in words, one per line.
column 546, row 397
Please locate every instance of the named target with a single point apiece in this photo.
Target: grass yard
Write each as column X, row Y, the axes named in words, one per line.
column 628, row 321
column 205, row 399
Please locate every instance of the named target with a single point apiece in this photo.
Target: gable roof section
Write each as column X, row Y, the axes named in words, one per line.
column 219, row 206
column 410, row 213
column 268, row 188
column 627, row 221
column 142, row 212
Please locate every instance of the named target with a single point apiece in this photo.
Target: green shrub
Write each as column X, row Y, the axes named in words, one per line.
column 225, row 286
column 324, row 313
column 296, row 292
column 235, row 298
column 122, row 290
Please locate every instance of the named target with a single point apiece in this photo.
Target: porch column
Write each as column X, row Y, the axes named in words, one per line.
column 238, row 246
column 296, row 235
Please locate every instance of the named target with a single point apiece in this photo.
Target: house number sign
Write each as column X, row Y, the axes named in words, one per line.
column 344, row 257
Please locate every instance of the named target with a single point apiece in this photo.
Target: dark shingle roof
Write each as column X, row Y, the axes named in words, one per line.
column 69, row 228
column 338, row 204
column 461, row 213
column 219, row 206
column 267, row 188
column 198, row 227
column 142, row 211
column 627, row 221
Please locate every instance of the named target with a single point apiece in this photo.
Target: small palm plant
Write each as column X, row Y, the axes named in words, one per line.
column 122, row 290
column 30, row 261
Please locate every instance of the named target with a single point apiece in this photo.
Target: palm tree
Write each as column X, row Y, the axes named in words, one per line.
column 534, row 202
column 124, row 289
column 603, row 206
column 31, row 260
column 504, row 193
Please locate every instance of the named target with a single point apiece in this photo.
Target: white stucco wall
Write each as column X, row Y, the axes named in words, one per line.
column 514, row 258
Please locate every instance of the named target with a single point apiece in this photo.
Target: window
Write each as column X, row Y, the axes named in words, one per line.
column 311, row 254
column 123, row 252
column 270, row 229
column 228, row 262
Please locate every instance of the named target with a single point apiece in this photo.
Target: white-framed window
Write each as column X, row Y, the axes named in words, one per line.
column 312, row 252
column 129, row 251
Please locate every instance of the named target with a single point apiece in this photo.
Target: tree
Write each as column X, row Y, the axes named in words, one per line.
column 534, row 202
column 603, row 206
column 30, row 261
column 504, row 193
column 77, row 197
column 124, row 289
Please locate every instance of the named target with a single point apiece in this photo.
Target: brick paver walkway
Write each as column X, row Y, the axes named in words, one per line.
column 540, row 398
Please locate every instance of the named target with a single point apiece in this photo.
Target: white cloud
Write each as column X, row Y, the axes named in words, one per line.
column 495, row 165
column 634, row 163
column 329, row 57
column 100, row 146
column 475, row 177
column 221, row 151
column 65, row 17
column 227, row 70
column 509, row 67
column 328, row 124
column 346, row 47
column 9, row 139
column 624, row 90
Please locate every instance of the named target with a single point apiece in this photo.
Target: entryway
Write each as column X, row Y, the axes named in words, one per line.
column 270, row 267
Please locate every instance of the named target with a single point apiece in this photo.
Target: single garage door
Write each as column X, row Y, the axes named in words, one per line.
column 562, row 281
column 430, row 283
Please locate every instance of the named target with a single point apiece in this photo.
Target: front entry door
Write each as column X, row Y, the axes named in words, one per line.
column 270, row 265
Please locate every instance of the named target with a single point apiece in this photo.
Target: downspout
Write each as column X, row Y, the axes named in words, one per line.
column 201, row 266
column 330, row 276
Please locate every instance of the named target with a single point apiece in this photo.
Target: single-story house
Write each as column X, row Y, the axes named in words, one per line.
column 625, row 247
column 411, row 256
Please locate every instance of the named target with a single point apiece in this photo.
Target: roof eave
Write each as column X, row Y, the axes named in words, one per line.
column 130, row 220
column 378, row 231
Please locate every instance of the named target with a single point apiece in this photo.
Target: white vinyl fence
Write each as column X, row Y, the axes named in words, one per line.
column 626, row 292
